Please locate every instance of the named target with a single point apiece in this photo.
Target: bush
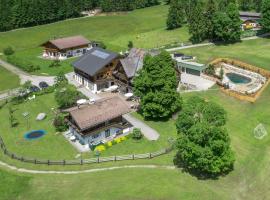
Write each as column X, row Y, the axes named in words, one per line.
column 100, row 44
column 137, row 134
column 100, row 148
column 67, row 97
column 55, row 63
column 59, row 123
column 8, row 51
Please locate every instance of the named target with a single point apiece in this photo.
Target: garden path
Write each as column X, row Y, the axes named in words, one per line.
column 27, row 77
column 147, row 131
column 30, row 171
column 210, row 43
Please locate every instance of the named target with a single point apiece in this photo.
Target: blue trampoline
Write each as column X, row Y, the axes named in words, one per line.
column 33, row 135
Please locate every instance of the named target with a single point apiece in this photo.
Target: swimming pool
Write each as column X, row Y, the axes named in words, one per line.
column 32, row 135
column 238, row 79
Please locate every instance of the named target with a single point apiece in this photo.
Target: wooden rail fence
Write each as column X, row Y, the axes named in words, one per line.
column 82, row 161
column 244, row 97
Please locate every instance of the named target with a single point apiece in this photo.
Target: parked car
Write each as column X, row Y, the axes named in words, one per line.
column 34, row 88
column 43, row 85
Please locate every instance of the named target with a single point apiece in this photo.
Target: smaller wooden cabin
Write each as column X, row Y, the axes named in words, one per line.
column 64, row 48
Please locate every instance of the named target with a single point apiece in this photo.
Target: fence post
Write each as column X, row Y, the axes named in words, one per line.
column 98, row 159
column 48, row 162
column 64, row 162
column 22, row 158
column 35, row 161
column 81, row 161
column 150, row 155
column 133, row 157
column 115, row 158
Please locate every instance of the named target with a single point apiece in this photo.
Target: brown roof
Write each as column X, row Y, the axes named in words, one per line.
column 101, row 111
column 69, row 42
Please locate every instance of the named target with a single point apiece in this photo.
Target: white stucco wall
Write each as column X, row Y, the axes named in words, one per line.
column 91, row 139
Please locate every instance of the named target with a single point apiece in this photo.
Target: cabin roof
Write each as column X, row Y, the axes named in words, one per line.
column 69, row 42
column 94, row 60
column 90, row 115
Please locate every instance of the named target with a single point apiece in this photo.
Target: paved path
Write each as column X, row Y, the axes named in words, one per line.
column 25, row 76
column 29, row 171
column 210, row 43
column 83, row 90
column 147, row 131
column 8, row 94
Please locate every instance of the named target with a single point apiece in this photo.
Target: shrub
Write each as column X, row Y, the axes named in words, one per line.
column 109, row 144
column 137, row 134
column 130, row 44
column 55, row 63
column 118, row 140
column 67, row 97
column 100, row 44
column 8, row 51
column 59, row 123
column 100, row 148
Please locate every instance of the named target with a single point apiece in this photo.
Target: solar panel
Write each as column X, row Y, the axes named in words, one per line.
column 100, row 54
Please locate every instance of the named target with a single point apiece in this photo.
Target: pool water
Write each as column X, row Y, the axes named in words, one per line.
column 32, row 135
column 238, row 79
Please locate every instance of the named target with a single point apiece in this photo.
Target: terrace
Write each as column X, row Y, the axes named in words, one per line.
column 241, row 80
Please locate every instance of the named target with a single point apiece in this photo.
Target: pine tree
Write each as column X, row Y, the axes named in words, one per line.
column 235, row 30
column 211, row 9
column 265, row 21
column 176, row 16
column 197, row 27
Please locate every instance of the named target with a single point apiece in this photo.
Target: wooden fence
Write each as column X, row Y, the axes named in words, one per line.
column 242, row 65
column 244, row 97
column 82, row 161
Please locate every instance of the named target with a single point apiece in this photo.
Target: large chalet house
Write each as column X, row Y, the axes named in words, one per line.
column 64, row 48
column 100, row 69
column 94, row 70
column 99, row 122
column 250, row 20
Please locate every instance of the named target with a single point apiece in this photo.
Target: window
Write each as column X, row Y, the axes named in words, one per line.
column 96, row 136
column 107, row 133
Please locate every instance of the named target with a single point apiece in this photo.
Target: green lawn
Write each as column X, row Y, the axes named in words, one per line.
column 145, row 27
column 48, row 146
column 248, row 181
column 255, row 52
column 8, row 80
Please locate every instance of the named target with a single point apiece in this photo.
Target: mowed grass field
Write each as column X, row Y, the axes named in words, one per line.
column 248, row 181
column 8, row 80
column 255, row 52
column 145, row 27
column 47, row 147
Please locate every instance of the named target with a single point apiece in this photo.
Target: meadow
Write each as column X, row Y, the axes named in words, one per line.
column 255, row 52
column 248, row 180
column 8, row 80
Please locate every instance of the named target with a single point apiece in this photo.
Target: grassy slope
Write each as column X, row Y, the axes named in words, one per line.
column 247, row 181
column 256, row 52
column 48, row 146
column 8, row 80
column 145, row 27
column 12, row 185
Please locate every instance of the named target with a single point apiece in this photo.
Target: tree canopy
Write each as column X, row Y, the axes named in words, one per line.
column 203, row 146
column 156, row 86
column 18, row 13
column 265, row 21
column 176, row 16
